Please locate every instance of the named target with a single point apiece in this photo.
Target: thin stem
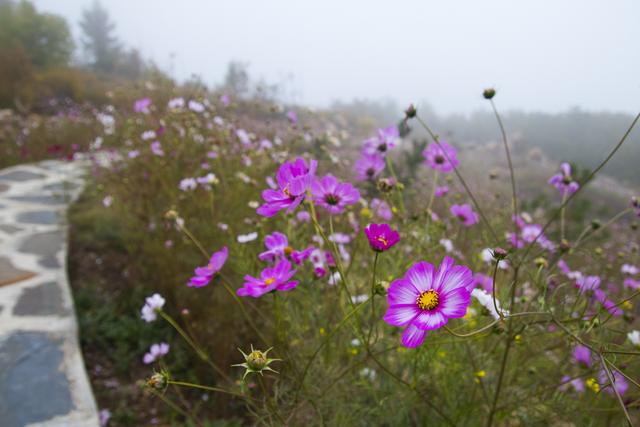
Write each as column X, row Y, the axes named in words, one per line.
column 511, row 172
column 562, row 212
column 209, row 388
column 192, row 344
column 433, row 190
column 615, row 390
column 476, row 332
column 493, row 290
column 584, row 184
column 373, row 290
column 462, row 181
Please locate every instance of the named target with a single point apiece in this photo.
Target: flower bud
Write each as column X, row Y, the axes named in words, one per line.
column 595, row 224
column 499, row 253
column 410, row 112
column 158, row 381
column 256, row 362
column 489, row 93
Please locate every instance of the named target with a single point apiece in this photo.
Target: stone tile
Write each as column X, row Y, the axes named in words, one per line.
column 44, row 299
column 49, row 262
column 47, row 199
column 19, row 175
column 11, row 274
column 10, row 229
column 45, row 244
column 38, row 217
column 61, row 187
column 3, row 188
column 32, row 387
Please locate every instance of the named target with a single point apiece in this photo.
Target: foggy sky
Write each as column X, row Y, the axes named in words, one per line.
column 541, row 55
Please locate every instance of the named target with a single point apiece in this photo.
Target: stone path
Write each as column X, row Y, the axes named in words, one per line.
column 43, row 381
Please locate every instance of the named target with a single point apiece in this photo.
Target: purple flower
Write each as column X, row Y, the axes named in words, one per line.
column 278, row 247
column 277, row 278
column 151, row 306
column 369, row 166
column 156, row 351
column 195, row 106
column 619, row 381
column 465, row 214
column 629, row 269
column 188, row 184
column 303, row 216
column 484, row 281
column 441, row 191
column 563, row 180
column 293, row 179
column 203, row 275
column 381, row 209
column 225, row 100
column 631, row 283
column 600, row 296
column 587, row 283
column 576, row 383
column 333, row 195
column 292, row 116
column 142, row 105
column 385, row 140
column 103, row 417
column 156, row 148
column 381, row 236
column 425, row 299
column 582, row 355
column 441, row 157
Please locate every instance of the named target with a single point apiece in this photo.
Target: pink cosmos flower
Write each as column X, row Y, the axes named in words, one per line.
column 278, row 247
column 425, row 299
column 582, row 355
column 333, row 195
column 225, row 100
column 369, row 166
column 277, row 278
column 631, row 283
column 293, row 179
column 381, row 209
column 629, row 269
column 156, row 351
column 203, row 275
column 385, row 140
column 563, row 180
column 142, row 105
column 381, row 236
column 465, row 214
column 442, row 157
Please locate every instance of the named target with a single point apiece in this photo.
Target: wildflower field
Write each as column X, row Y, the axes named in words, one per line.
column 236, row 262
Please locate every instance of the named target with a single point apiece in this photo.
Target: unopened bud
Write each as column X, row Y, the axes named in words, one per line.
column 489, row 93
column 410, row 112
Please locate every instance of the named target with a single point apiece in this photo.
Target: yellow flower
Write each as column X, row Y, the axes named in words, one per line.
column 593, row 385
column 627, row 305
column 518, row 339
column 481, row 374
column 442, row 354
column 394, row 210
column 323, row 331
column 365, row 212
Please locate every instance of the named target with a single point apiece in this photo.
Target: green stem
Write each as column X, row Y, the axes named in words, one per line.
column 372, row 298
column 209, row 388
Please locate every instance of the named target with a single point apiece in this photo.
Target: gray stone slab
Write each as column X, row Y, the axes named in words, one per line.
column 3, row 188
column 19, row 175
column 47, row 199
column 9, row 273
column 45, row 244
column 9, row 228
column 38, row 217
column 60, row 187
column 49, row 262
column 44, row 299
column 32, row 387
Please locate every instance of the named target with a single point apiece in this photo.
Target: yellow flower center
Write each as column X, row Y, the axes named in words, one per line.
column 269, row 281
column 382, row 240
column 428, row 300
column 288, row 251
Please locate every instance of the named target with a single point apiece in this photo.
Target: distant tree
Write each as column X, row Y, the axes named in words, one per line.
column 236, row 81
column 44, row 38
column 101, row 46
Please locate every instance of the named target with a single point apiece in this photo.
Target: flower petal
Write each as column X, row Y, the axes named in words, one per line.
column 412, row 337
column 428, row 320
column 454, row 304
column 401, row 314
